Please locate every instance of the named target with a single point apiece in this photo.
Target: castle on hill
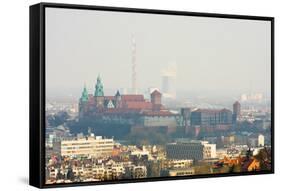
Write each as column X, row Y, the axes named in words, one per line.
column 149, row 113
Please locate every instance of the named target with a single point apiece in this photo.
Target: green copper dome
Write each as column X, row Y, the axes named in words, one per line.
column 84, row 96
column 99, row 87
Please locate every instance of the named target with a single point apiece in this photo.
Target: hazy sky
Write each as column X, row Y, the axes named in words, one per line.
column 210, row 54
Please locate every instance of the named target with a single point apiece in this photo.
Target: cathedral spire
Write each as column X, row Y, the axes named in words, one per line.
column 117, row 94
column 99, row 87
column 99, row 78
column 84, row 96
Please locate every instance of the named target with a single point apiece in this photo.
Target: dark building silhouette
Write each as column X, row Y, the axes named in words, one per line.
column 237, row 108
column 186, row 115
column 236, row 112
column 211, row 119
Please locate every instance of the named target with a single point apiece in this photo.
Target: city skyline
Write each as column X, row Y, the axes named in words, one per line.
column 155, row 96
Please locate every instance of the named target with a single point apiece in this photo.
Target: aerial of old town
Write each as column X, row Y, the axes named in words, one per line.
column 145, row 109
column 126, row 136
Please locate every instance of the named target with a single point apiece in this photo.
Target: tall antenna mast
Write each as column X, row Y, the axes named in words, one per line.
column 134, row 73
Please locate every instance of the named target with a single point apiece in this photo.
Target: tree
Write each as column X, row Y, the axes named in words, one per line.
column 264, row 157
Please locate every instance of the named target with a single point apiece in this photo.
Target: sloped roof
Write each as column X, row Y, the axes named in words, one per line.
column 132, row 97
column 138, row 105
column 156, row 92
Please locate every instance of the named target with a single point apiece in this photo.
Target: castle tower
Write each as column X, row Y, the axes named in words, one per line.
column 84, row 97
column 156, row 100
column 99, row 87
column 118, row 99
column 99, row 95
column 156, row 97
column 83, row 104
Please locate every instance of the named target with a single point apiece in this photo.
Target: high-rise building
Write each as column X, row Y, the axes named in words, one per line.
column 237, row 108
column 168, row 86
column 169, row 74
column 236, row 112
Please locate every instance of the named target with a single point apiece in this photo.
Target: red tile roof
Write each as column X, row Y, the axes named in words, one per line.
column 132, row 98
column 138, row 105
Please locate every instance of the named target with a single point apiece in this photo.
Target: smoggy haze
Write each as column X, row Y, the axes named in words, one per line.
column 208, row 54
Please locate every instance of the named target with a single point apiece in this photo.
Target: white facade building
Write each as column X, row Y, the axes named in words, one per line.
column 94, row 146
column 209, row 151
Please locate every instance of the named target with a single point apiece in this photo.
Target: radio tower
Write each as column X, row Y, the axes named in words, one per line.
column 134, row 73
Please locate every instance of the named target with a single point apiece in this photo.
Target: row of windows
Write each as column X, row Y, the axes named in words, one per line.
column 82, row 147
column 66, row 144
column 87, row 143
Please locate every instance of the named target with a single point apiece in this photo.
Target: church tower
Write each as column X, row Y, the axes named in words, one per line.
column 118, row 99
column 99, row 95
column 83, row 104
column 84, row 97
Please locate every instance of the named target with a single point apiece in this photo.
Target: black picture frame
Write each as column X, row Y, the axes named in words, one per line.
column 37, row 91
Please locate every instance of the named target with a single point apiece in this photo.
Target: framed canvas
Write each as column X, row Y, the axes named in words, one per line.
column 120, row 95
